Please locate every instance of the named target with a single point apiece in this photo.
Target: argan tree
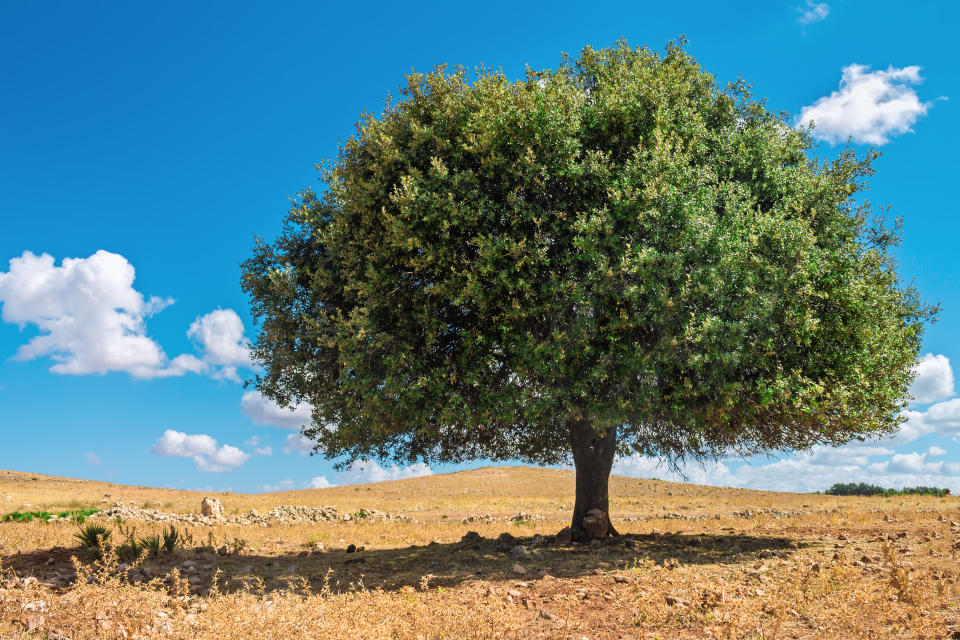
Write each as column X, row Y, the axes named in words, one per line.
column 616, row 257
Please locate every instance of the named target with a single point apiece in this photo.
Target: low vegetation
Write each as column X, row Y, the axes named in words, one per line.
column 26, row 516
column 693, row 562
column 863, row 489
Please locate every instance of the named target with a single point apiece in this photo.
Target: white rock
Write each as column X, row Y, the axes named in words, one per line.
column 211, row 508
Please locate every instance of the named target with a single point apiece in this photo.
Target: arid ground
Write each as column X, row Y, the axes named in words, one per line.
column 693, row 562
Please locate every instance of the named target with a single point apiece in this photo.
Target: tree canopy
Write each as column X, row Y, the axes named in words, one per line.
column 622, row 242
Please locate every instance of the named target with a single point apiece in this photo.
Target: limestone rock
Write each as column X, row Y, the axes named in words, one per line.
column 211, row 508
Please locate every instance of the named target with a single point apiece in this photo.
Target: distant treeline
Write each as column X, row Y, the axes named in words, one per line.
column 864, row 489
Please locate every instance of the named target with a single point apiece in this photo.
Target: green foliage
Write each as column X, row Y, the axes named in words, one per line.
column 130, row 549
column 173, row 539
column 620, row 240
column 153, row 545
column 864, row 489
column 92, row 538
column 78, row 515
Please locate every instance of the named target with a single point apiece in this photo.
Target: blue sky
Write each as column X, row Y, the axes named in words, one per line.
column 148, row 144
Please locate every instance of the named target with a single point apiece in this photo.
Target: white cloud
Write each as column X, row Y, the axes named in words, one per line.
column 297, row 443
column 944, row 417
column 264, row 411
column 320, row 482
column 201, row 448
column 869, row 107
column 365, row 471
column 813, row 12
column 284, row 485
column 813, row 471
column 224, row 347
column 933, row 379
column 915, row 427
column 178, row 444
column 91, row 320
column 907, row 463
column 263, row 451
column 252, row 442
column 92, row 458
column 225, row 458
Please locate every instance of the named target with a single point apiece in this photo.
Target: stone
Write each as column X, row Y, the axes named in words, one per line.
column 519, row 568
column 519, row 551
column 351, row 548
column 38, row 606
column 33, row 622
column 211, row 508
column 596, row 524
column 564, row 537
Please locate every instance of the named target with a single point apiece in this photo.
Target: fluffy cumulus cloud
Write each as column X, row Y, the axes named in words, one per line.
column 264, row 411
column 813, row 12
column 870, row 106
column 297, row 443
column 365, row 471
column 320, row 482
column 284, row 485
column 811, row 471
column 90, row 319
column 203, row 449
column 934, row 379
column 263, row 451
column 943, row 417
column 223, row 345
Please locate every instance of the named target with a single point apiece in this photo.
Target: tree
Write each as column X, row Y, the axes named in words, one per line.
column 615, row 257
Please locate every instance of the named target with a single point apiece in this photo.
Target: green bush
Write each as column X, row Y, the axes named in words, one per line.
column 92, row 538
column 78, row 515
column 864, row 489
column 172, row 539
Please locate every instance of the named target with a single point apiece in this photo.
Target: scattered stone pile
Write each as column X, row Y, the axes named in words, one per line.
column 522, row 516
column 747, row 514
column 212, row 513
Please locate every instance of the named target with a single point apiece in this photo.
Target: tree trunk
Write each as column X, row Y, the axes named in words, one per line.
column 593, row 458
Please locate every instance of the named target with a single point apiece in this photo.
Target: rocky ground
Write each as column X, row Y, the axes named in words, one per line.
column 693, row 563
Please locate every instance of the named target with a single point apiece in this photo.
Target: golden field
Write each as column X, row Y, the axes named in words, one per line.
column 694, row 562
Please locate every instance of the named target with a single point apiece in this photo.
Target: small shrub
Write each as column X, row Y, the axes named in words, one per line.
column 153, row 545
column 92, row 538
column 130, row 550
column 172, row 539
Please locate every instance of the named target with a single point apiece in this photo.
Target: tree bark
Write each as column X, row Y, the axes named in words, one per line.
column 593, row 455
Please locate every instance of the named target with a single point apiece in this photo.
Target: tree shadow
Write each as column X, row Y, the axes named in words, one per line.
column 440, row 565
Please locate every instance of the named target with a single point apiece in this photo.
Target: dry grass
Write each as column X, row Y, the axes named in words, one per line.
column 832, row 568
